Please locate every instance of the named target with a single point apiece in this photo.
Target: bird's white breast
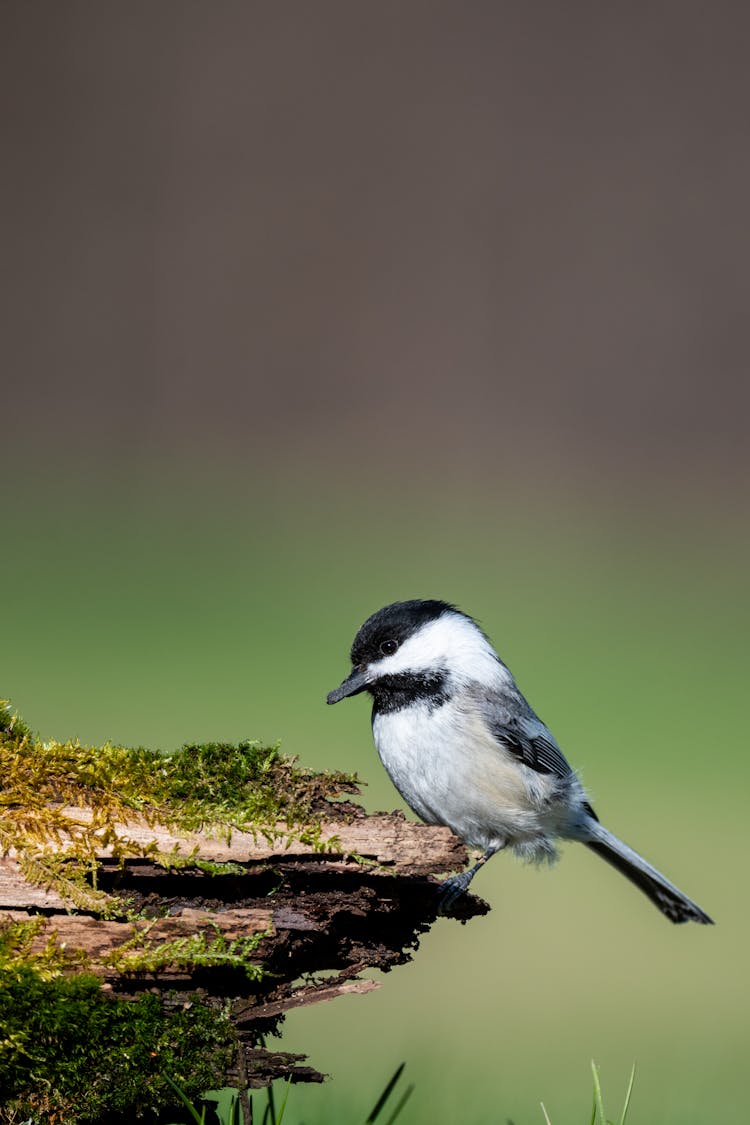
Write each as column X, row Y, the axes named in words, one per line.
column 449, row 769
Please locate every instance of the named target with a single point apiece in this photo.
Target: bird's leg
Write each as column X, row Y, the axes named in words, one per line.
column 453, row 888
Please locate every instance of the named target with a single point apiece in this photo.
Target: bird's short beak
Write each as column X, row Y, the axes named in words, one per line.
column 358, row 681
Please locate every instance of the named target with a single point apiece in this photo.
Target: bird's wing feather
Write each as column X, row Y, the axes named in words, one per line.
column 522, row 733
column 513, row 723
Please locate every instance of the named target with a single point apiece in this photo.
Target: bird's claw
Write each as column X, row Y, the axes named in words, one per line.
column 451, row 890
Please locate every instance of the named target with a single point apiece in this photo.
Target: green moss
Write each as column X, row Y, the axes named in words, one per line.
column 140, row 955
column 216, row 787
column 48, row 963
column 69, row 1052
column 179, row 861
column 12, row 726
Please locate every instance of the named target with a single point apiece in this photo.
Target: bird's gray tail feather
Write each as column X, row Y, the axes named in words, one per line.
column 668, row 898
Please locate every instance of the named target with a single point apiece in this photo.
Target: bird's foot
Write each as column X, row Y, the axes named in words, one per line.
column 451, row 889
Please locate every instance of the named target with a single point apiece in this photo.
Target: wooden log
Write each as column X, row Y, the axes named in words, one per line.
column 361, row 904
column 387, row 839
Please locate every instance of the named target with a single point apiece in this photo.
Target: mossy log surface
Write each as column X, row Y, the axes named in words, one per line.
column 311, row 912
column 185, row 887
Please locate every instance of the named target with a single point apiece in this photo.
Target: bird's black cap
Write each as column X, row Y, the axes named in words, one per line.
column 391, row 625
column 395, row 622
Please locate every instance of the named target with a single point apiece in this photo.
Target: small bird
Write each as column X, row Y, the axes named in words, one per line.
column 464, row 748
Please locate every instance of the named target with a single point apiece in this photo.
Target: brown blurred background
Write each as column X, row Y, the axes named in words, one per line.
column 498, row 236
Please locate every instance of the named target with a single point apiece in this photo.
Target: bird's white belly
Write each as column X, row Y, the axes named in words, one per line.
column 449, row 770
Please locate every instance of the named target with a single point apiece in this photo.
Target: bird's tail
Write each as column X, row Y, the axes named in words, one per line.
column 671, row 901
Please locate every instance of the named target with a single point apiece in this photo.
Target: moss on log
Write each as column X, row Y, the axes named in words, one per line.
column 220, row 878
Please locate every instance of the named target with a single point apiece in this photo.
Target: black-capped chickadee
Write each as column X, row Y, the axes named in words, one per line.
column 465, row 749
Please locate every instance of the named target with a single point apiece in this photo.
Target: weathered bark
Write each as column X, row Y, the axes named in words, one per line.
column 318, row 912
column 384, row 838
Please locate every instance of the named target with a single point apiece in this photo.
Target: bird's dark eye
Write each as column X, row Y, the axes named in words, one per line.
column 388, row 647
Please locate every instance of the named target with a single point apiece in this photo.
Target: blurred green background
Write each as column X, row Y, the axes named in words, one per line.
column 161, row 611
column 309, row 310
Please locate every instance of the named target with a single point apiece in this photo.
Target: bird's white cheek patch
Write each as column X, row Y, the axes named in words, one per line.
column 450, row 643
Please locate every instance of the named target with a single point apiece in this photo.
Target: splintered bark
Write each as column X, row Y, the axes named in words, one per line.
column 360, row 904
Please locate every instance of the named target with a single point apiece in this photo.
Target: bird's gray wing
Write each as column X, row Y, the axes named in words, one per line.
column 523, row 734
column 531, row 742
column 512, row 722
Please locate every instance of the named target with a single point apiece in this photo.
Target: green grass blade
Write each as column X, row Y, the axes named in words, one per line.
column 269, row 1113
column 401, row 1103
column 627, row 1096
column 199, row 1118
column 280, row 1118
column 546, row 1115
column 227, row 1108
column 385, row 1095
column 598, row 1101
